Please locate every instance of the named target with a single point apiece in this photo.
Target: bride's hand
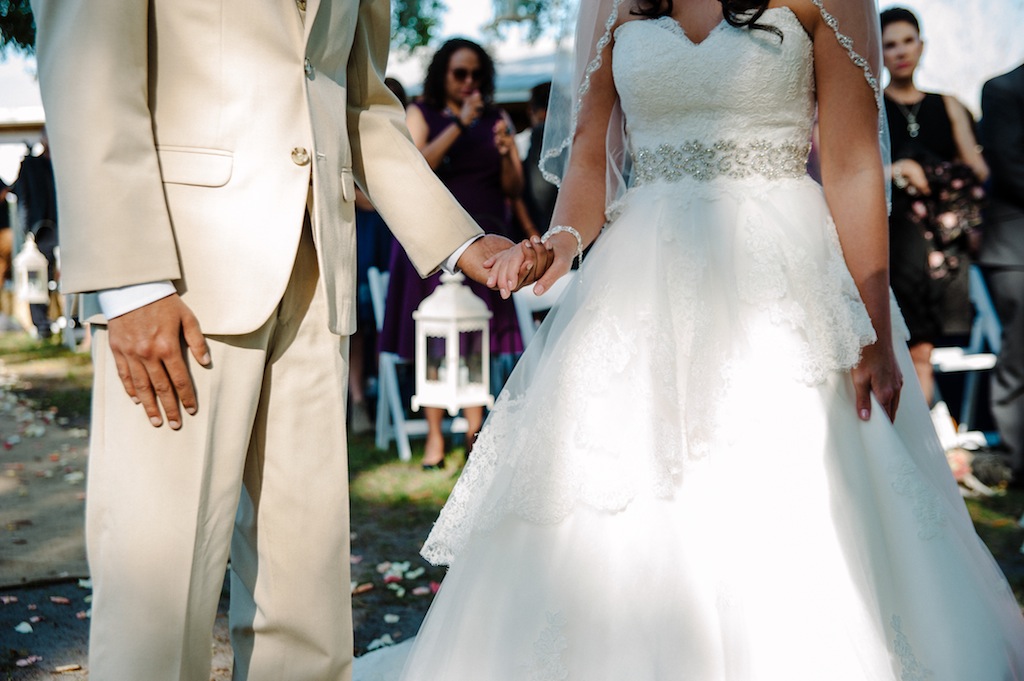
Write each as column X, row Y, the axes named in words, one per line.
column 517, row 266
column 877, row 374
column 562, row 247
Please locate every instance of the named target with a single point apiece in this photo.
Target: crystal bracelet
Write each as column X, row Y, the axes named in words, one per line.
column 571, row 230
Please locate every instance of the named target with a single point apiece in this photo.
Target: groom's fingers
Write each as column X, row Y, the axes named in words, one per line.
column 173, row 387
column 150, row 384
column 194, row 338
column 147, row 347
column 125, row 374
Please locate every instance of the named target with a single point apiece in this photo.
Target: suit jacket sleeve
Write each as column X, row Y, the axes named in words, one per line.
column 1003, row 135
column 93, row 73
column 422, row 214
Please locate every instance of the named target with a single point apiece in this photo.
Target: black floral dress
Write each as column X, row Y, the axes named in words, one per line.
column 930, row 237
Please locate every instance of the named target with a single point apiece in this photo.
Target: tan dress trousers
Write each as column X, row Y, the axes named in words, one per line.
column 262, row 468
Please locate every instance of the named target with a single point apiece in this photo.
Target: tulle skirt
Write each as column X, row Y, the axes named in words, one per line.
column 675, row 484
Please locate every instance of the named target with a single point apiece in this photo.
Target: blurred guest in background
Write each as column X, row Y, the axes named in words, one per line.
column 534, row 210
column 1002, row 252
column 37, row 201
column 373, row 249
column 937, row 173
column 6, row 238
column 468, row 142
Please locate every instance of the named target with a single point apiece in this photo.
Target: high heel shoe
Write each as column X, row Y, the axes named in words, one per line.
column 434, row 448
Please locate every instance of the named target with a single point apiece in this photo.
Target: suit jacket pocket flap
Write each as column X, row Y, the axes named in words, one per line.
column 200, row 167
column 348, row 185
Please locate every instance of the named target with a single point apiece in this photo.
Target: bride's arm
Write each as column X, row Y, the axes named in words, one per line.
column 854, row 183
column 581, row 197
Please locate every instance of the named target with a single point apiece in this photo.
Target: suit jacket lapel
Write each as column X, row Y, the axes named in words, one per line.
column 311, row 9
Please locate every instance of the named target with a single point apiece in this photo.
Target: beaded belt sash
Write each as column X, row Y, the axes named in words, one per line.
column 721, row 159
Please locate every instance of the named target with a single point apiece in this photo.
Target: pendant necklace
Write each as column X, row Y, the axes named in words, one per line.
column 913, row 127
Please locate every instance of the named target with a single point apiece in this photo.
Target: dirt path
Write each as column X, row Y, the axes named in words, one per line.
column 42, row 493
column 43, row 627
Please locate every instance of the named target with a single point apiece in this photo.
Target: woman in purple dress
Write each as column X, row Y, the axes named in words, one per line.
column 468, row 142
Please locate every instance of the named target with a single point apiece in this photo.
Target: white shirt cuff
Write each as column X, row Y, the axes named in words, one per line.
column 118, row 301
column 451, row 265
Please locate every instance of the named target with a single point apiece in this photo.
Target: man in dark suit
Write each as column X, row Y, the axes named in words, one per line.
column 1002, row 252
column 6, row 239
column 538, row 193
column 37, row 196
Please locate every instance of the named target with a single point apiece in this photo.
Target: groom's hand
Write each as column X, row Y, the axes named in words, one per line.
column 517, row 266
column 471, row 262
column 478, row 261
column 147, row 344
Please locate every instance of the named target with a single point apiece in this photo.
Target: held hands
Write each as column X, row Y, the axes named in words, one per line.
column 878, row 375
column 550, row 261
column 478, row 260
column 149, row 355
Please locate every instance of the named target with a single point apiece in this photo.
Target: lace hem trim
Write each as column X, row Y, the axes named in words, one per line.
column 910, row 668
column 548, row 651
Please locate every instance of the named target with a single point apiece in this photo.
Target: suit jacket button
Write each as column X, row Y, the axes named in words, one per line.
column 300, row 156
column 308, row 68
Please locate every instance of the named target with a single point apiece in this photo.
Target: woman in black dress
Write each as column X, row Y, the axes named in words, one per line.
column 937, row 170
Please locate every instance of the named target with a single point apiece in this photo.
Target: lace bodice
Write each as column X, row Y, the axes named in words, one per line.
column 749, row 91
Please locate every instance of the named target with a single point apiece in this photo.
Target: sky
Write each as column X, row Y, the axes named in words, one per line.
column 966, row 42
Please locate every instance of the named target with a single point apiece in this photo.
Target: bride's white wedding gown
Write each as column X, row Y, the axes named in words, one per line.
column 674, row 485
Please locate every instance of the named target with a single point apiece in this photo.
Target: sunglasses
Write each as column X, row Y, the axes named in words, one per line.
column 460, row 74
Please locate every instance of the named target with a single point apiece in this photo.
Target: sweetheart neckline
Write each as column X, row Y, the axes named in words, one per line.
column 678, row 29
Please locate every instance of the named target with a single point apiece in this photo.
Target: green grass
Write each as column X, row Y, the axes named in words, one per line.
column 50, row 374
column 378, row 477
column 997, row 520
column 394, row 505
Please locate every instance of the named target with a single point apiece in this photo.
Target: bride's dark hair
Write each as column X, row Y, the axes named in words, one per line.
column 739, row 13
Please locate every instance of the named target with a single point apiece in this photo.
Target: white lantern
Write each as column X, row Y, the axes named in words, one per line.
column 31, row 276
column 453, row 359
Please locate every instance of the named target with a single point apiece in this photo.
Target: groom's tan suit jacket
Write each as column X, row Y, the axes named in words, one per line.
column 187, row 135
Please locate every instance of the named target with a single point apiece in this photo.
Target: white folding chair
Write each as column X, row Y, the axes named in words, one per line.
column 977, row 356
column 392, row 423
column 528, row 304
